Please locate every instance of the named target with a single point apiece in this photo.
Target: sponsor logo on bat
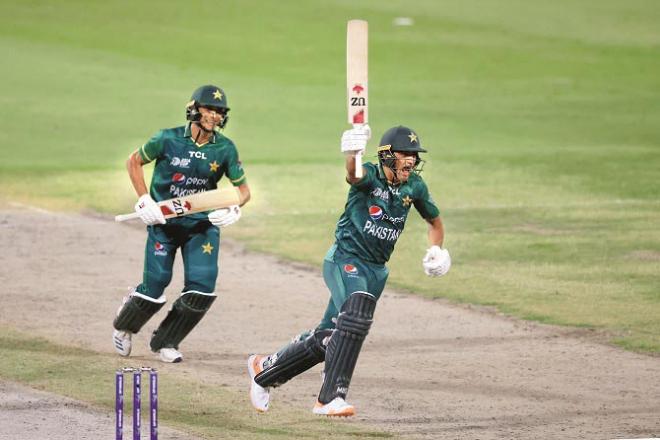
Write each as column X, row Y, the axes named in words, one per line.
column 358, row 118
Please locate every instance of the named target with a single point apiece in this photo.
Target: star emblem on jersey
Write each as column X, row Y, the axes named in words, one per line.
column 214, row 166
column 207, row 248
column 413, row 137
column 406, row 200
column 217, row 95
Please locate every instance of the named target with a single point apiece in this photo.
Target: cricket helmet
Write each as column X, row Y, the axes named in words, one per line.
column 401, row 139
column 208, row 96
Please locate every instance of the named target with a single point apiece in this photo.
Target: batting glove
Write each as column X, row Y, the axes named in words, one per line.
column 225, row 216
column 355, row 139
column 436, row 262
column 149, row 211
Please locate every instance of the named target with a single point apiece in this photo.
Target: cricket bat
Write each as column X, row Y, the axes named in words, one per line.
column 357, row 35
column 198, row 202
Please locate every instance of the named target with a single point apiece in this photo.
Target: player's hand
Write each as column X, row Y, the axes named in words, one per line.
column 225, row 216
column 355, row 139
column 436, row 262
column 149, row 211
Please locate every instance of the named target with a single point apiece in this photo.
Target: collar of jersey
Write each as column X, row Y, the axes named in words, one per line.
column 188, row 133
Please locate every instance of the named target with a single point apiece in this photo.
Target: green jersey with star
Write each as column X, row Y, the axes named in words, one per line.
column 376, row 212
column 183, row 168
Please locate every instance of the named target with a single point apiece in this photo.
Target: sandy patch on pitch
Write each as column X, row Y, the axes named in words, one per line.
column 428, row 369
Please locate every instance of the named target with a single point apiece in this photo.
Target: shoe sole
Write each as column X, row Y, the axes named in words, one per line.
column 345, row 413
column 253, row 373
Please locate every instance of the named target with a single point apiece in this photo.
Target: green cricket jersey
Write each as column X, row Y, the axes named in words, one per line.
column 184, row 168
column 376, row 212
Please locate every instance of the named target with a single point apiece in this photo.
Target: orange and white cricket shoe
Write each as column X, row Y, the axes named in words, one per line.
column 259, row 396
column 337, row 408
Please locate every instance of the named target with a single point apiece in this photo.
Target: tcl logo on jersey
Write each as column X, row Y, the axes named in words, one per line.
column 350, row 269
column 178, row 162
column 197, row 154
column 375, row 212
column 159, row 249
column 178, row 178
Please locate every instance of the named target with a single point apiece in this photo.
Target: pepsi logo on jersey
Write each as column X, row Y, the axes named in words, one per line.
column 178, row 178
column 375, row 212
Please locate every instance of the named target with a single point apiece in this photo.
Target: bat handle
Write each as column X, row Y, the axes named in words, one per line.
column 358, row 165
column 124, row 217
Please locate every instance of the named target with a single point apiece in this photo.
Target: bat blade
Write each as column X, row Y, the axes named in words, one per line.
column 357, row 88
column 357, row 36
column 199, row 202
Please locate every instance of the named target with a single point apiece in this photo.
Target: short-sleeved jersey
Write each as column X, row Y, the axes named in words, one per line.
column 183, row 168
column 375, row 214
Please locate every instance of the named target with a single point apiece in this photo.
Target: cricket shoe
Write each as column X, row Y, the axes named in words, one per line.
column 337, row 408
column 259, row 396
column 170, row 355
column 122, row 342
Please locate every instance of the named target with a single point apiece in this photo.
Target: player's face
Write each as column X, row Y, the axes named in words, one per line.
column 211, row 117
column 404, row 165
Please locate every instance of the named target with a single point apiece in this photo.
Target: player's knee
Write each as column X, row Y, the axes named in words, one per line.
column 357, row 313
column 202, row 279
column 155, row 283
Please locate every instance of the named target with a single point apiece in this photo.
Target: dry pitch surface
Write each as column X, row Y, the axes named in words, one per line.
column 428, row 369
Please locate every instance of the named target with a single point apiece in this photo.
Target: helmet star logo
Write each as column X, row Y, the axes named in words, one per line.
column 217, row 95
column 413, row 137
column 207, row 248
column 406, row 200
column 214, row 166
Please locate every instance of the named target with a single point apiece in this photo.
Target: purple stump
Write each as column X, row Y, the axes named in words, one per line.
column 153, row 394
column 137, row 402
column 119, row 405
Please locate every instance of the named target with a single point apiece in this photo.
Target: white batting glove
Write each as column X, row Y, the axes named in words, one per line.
column 149, row 211
column 355, row 139
column 225, row 216
column 436, row 262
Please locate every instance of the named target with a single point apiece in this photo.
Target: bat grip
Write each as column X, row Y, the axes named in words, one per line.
column 124, row 217
column 358, row 165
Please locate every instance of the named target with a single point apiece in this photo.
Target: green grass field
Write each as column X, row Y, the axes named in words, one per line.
column 541, row 121
column 205, row 409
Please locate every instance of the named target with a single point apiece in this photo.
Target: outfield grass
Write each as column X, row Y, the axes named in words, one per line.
column 541, row 121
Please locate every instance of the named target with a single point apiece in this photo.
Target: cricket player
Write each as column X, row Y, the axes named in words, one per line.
column 189, row 159
column 354, row 268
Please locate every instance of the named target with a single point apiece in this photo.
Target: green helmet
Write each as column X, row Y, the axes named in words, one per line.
column 402, row 139
column 209, row 96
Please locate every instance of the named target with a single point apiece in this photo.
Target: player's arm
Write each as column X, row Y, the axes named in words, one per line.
column 350, row 169
column 134, row 166
column 354, row 142
column 146, row 207
column 437, row 261
column 436, row 233
column 244, row 191
column 228, row 216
